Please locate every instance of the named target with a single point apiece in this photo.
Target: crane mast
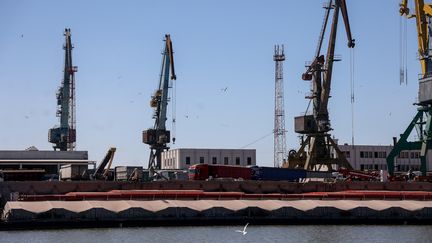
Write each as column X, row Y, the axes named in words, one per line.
column 158, row 137
column 64, row 136
column 316, row 149
column 423, row 119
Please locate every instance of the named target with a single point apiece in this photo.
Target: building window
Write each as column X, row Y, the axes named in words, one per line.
column 188, row 160
column 366, row 154
column 201, row 160
column 226, row 160
column 214, row 160
column 381, row 154
column 237, row 160
column 249, row 160
column 404, row 155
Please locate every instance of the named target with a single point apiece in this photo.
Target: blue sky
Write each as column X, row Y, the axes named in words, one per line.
column 217, row 44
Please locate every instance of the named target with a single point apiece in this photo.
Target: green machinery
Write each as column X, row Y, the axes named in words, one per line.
column 422, row 120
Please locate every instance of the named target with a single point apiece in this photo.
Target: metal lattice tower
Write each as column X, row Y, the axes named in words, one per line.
column 279, row 118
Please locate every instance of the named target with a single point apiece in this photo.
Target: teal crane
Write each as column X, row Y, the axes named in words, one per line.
column 158, row 137
column 64, row 136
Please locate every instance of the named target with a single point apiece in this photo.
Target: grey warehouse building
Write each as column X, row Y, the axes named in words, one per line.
column 48, row 160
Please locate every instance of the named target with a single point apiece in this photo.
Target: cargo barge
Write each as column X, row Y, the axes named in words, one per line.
column 114, row 204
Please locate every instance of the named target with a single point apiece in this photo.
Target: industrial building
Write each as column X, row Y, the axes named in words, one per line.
column 50, row 161
column 182, row 158
column 373, row 157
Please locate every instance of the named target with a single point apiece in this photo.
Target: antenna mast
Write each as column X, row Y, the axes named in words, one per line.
column 279, row 118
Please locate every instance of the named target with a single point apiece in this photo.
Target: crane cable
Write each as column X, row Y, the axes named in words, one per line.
column 352, row 86
column 173, row 109
column 259, row 139
column 403, row 70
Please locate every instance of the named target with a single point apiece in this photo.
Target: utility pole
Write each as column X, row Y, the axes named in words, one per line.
column 279, row 118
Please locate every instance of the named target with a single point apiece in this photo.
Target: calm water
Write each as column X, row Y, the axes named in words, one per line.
column 310, row 233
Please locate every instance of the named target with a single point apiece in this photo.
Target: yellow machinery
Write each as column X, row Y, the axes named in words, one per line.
column 422, row 120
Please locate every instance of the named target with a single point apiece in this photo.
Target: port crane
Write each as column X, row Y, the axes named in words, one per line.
column 316, row 149
column 422, row 120
column 158, row 137
column 64, row 136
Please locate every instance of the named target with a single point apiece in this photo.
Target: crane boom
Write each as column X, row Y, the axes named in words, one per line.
column 158, row 137
column 327, row 76
column 100, row 171
column 423, row 12
column 344, row 11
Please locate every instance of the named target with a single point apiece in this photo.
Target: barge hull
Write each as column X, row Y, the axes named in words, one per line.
column 213, row 211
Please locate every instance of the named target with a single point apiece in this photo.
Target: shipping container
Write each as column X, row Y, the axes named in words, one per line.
column 171, row 175
column 205, row 171
column 72, row 171
column 277, row 174
column 124, row 173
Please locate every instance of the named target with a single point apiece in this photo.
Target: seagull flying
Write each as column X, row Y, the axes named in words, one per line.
column 244, row 230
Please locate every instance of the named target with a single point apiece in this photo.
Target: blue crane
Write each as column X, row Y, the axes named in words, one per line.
column 158, row 137
column 64, row 136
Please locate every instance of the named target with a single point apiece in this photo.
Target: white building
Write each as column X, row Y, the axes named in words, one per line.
column 373, row 157
column 182, row 158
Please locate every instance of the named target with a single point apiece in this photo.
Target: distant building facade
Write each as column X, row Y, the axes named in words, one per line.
column 182, row 158
column 373, row 157
column 50, row 161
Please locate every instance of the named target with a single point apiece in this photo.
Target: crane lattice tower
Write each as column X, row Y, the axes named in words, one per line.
column 279, row 118
column 63, row 136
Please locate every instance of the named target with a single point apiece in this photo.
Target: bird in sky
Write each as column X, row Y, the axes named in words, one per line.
column 244, row 230
column 224, row 89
